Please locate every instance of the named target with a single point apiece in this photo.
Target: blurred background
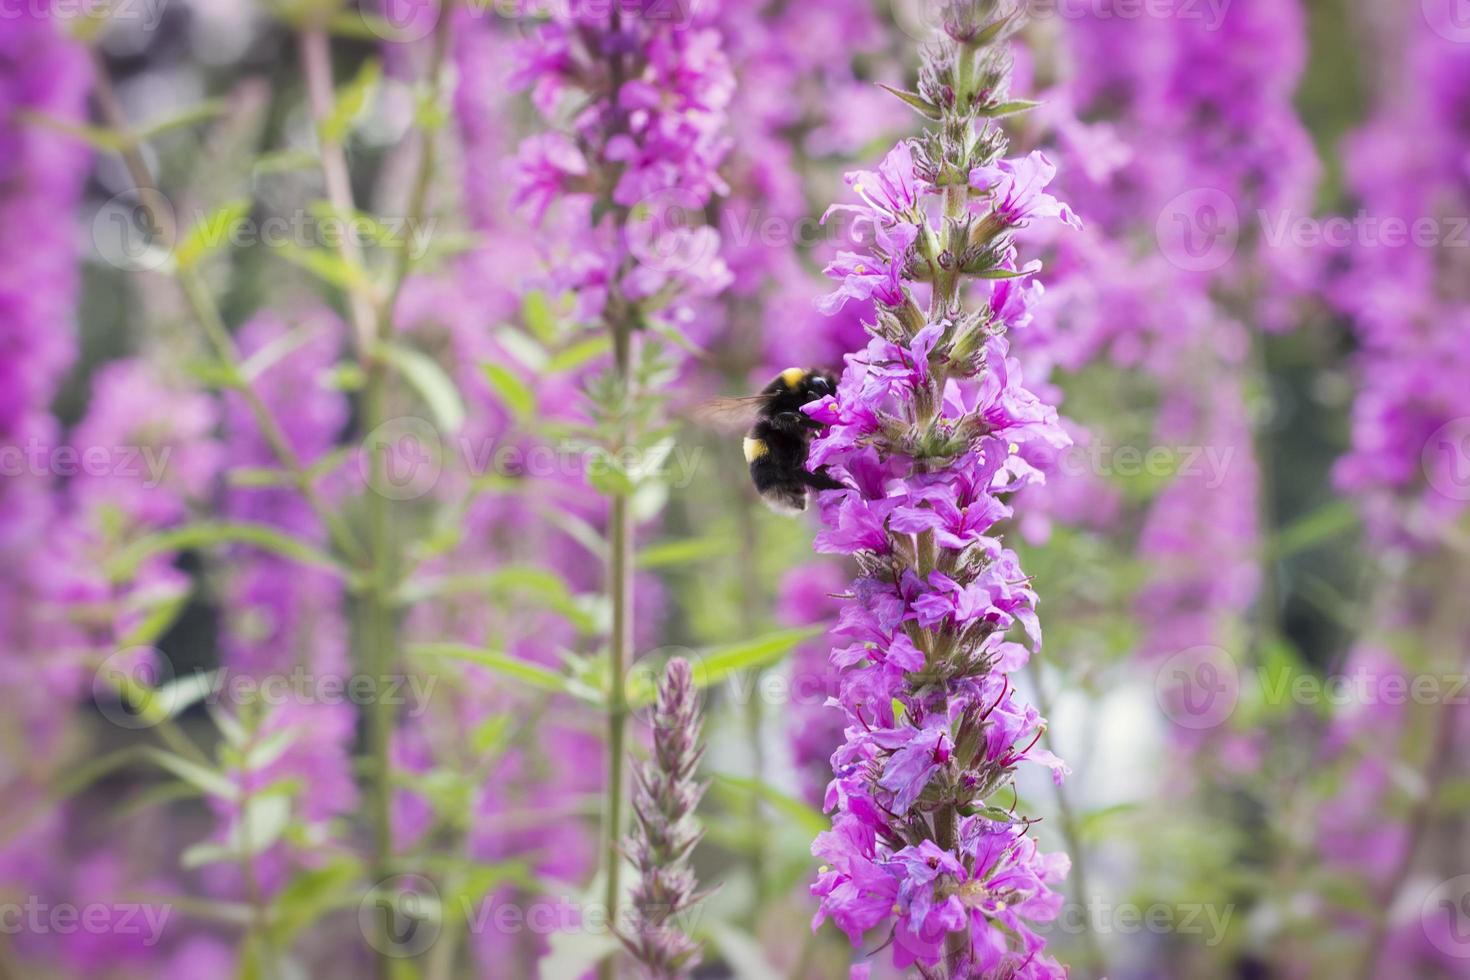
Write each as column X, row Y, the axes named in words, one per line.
column 303, row 622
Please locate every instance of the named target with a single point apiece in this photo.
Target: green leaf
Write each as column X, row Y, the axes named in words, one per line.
column 511, row 390
column 517, row 583
column 503, row 664
column 312, row 894
column 811, row 820
column 352, row 98
column 524, row 348
column 156, row 622
column 536, row 312
column 490, row 735
column 207, row 534
column 1009, row 108
column 1453, row 797
column 579, row 354
column 478, row 880
column 177, row 696
column 271, row 353
column 717, row 663
column 325, row 212
column 435, row 386
column 283, row 161
column 1095, row 824
column 205, row 780
column 685, row 550
column 1316, row 528
column 1000, row 274
column 577, row 529
column 264, row 821
column 259, row 477
column 97, row 137
column 362, row 26
column 211, row 233
column 673, row 336
column 650, row 462
column 203, row 112
column 914, row 101
column 330, row 267
column 607, row 476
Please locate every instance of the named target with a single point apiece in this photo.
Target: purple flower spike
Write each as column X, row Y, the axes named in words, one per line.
column 665, row 831
column 931, row 427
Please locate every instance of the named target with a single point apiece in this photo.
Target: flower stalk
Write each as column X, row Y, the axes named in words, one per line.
column 930, row 429
column 665, row 832
column 646, row 96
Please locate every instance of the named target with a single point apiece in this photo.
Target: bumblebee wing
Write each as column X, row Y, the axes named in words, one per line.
column 729, row 414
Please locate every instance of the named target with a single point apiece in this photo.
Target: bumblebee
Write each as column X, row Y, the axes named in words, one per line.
column 779, row 437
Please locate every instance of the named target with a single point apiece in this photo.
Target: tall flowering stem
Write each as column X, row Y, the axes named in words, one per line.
column 645, row 87
column 665, row 832
column 930, row 428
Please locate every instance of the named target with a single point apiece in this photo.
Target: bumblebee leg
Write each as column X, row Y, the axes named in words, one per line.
column 796, row 423
column 819, row 480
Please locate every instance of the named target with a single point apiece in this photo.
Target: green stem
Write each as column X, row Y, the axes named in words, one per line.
column 956, row 944
column 620, row 589
column 315, row 53
column 616, row 316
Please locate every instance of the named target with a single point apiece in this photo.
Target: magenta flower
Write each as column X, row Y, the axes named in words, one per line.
column 550, row 166
column 890, row 196
column 877, row 276
column 1016, row 192
column 929, row 426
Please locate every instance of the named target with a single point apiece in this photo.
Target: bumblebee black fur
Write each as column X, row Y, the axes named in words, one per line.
column 776, row 445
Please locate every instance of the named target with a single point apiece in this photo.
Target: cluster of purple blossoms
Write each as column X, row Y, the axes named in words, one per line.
column 648, row 85
column 930, row 427
column 1409, row 467
column 1182, row 160
column 665, row 831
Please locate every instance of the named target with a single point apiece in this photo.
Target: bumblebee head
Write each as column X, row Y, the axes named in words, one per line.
column 795, row 387
column 819, row 384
